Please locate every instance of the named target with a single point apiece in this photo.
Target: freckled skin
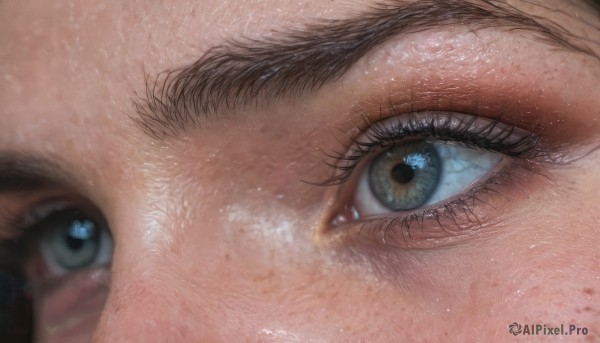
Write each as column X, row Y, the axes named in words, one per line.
column 216, row 237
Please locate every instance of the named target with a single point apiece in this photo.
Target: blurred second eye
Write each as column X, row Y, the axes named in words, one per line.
column 70, row 241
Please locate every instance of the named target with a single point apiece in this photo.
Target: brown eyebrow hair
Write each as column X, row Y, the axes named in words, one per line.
column 247, row 72
column 22, row 173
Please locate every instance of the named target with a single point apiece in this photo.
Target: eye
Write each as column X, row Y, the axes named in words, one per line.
column 419, row 173
column 60, row 252
column 68, row 240
column 418, row 166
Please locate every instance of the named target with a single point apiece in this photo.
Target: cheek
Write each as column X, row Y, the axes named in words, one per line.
column 555, row 301
column 250, row 268
column 536, row 285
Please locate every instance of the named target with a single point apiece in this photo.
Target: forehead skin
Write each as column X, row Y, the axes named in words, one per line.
column 210, row 233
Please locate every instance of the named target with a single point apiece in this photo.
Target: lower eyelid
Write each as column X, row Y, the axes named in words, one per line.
column 473, row 214
column 78, row 296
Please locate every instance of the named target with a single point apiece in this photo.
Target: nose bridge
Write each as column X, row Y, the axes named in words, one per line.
column 162, row 287
column 175, row 279
column 133, row 310
column 146, row 299
column 147, row 307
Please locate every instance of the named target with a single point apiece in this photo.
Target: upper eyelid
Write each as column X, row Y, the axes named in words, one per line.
column 523, row 142
column 444, row 122
column 18, row 227
column 25, row 212
column 30, row 180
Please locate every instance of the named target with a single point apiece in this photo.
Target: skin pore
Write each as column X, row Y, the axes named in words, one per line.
column 220, row 230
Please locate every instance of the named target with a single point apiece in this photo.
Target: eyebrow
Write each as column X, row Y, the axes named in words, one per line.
column 20, row 173
column 259, row 72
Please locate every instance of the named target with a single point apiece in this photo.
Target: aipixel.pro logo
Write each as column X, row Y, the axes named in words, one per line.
column 547, row 330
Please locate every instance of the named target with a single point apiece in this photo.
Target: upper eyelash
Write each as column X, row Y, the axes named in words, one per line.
column 17, row 228
column 492, row 137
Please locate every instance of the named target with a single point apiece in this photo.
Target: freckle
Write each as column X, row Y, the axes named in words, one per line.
column 587, row 309
column 227, row 257
column 589, row 291
column 577, row 310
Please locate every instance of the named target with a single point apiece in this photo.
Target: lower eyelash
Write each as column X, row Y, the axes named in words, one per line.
column 445, row 217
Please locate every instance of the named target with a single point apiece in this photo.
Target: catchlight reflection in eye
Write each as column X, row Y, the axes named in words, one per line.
column 403, row 177
column 419, row 173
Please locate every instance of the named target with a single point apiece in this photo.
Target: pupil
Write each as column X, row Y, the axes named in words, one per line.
column 79, row 233
column 403, row 173
column 74, row 243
